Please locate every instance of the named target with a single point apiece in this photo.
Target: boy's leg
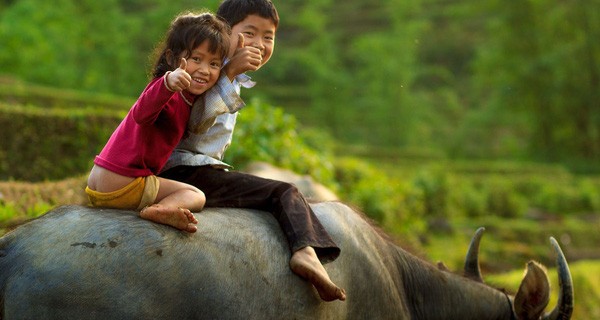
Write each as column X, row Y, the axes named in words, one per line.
column 240, row 190
column 309, row 241
column 173, row 204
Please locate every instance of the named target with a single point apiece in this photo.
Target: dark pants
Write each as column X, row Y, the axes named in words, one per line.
column 240, row 190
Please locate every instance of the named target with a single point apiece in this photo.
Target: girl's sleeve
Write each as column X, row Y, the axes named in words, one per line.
column 221, row 98
column 151, row 102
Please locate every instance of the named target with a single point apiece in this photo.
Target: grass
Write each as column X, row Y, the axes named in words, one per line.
column 586, row 284
column 15, row 91
column 509, row 243
column 20, row 201
column 506, row 247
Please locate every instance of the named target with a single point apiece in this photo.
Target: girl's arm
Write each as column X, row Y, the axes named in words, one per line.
column 151, row 102
column 160, row 90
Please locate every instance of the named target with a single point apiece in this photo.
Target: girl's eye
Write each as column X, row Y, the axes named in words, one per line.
column 216, row 65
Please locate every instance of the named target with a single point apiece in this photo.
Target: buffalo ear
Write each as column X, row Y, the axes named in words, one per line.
column 534, row 292
column 442, row 266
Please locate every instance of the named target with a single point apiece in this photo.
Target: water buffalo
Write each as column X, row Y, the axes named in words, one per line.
column 77, row 262
column 311, row 189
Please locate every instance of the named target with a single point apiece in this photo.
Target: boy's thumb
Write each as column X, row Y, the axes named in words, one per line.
column 240, row 43
column 183, row 64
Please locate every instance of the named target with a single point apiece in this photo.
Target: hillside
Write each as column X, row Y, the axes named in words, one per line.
column 468, row 79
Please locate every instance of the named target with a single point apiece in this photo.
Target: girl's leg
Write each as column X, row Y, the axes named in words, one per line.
column 173, row 204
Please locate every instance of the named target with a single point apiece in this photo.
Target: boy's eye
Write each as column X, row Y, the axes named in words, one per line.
column 248, row 33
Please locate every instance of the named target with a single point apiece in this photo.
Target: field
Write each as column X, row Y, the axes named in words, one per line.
column 430, row 204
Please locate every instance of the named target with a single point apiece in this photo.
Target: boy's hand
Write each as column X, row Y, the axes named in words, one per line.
column 179, row 79
column 243, row 59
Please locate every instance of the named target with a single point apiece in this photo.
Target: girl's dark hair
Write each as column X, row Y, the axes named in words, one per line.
column 234, row 11
column 188, row 31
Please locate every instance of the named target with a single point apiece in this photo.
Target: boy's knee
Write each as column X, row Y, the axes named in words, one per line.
column 287, row 188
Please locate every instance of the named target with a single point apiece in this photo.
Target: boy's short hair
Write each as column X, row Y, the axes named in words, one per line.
column 234, row 11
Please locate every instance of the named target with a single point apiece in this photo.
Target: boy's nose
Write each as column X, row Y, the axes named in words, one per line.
column 258, row 44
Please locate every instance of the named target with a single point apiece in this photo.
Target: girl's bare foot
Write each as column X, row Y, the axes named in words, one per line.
column 306, row 264
column 179, row 218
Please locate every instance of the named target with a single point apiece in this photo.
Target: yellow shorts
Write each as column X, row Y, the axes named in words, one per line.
column 140, row 193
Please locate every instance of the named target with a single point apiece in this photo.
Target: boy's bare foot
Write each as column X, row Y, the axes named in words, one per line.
column 306, row 264
column 179, row 218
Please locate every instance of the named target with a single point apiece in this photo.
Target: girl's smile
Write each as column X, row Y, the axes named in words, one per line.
column 204, row 68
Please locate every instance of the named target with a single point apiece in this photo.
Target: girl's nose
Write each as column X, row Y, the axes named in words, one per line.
column 204, row 68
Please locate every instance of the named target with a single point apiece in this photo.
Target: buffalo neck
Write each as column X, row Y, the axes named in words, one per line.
column 435, row 294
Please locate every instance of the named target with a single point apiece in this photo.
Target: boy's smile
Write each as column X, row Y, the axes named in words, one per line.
column 258, row 32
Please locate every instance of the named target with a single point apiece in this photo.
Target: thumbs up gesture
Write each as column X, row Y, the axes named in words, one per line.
column 179, row 79
column 244, row 58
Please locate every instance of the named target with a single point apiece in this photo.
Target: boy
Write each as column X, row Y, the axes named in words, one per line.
column 197, row 159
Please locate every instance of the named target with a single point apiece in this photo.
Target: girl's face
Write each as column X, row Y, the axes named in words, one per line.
column 204, row 68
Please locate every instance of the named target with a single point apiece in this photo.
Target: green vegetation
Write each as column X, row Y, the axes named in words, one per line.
column 44, row 147
column 586, row 285
column 461, row 79
column 433, row 117
column 431, row 203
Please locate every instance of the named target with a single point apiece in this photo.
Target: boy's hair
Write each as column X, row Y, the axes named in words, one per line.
column 234, row 11
column 188, row 31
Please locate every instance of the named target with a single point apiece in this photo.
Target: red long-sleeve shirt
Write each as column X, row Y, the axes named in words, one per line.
column 143, row 142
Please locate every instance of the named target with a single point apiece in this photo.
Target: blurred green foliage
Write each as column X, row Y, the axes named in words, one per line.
column 465, row 79
column 51, row 143
column 586, row 286
column 267, row 133
column 430, row 202
column 450, row 114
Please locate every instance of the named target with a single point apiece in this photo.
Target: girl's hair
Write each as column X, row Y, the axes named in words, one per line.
column 234, row 11
column 188, row 31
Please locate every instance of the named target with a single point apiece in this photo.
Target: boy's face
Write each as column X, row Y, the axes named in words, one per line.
column 258, row 32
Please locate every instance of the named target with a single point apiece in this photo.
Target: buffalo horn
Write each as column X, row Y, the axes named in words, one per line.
column 472, row 269
column 564, row 306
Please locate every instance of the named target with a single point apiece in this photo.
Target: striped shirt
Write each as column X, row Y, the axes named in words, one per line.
column 211, row 124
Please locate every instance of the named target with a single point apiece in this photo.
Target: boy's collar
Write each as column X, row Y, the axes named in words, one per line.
column 243, row 79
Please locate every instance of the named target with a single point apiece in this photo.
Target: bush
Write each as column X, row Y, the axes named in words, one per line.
column 39, row 144
column 13, row 91
column 470, row 199
column 434, row 184
column 368, row 189
column 566, row 198
column 266, row 133
column 394, row 204
column 503, row 200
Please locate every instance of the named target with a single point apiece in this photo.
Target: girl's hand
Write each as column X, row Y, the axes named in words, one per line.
column 179, row 79
column 243, row 59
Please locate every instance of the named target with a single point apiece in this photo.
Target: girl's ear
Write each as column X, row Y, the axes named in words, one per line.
column 170, row 57
column 174, row 60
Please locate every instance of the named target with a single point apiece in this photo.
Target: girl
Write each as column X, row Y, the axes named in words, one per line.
column 124, row 173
